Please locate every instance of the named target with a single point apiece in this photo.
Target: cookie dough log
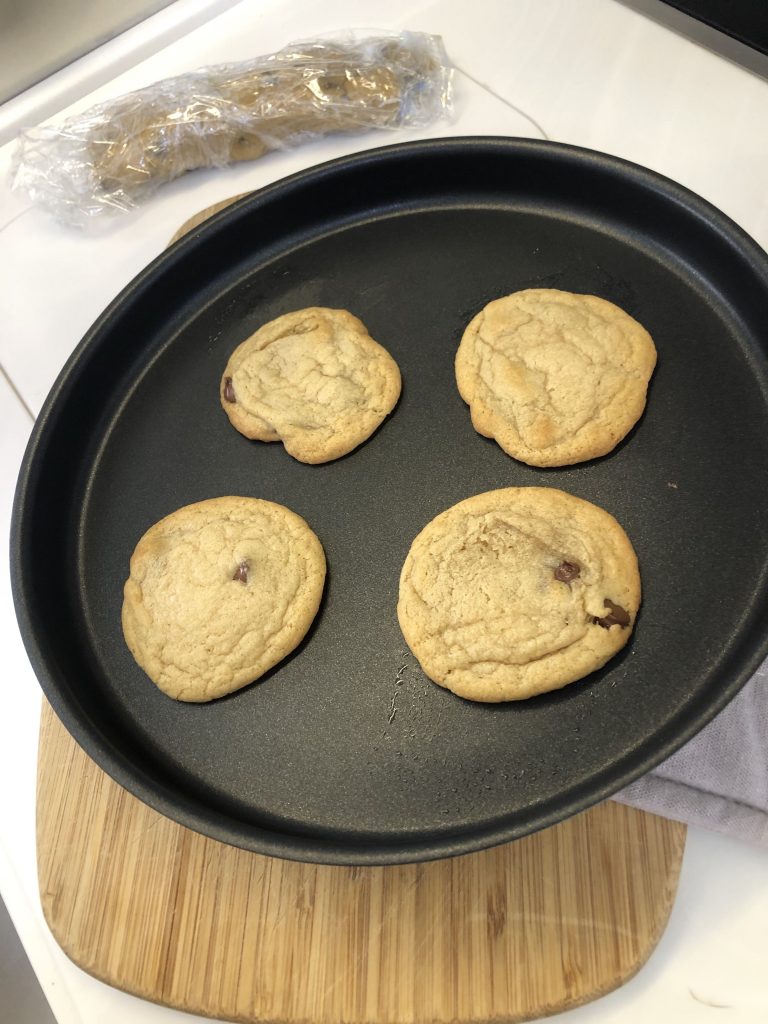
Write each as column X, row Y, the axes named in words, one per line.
column 234, row 112
column 313, row 379
column 218, row 593
column 518, row 591
column 554, row 377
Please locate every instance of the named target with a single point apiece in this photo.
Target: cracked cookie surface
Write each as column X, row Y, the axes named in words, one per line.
column 518, row 591
column 554, row 377
column 218, row 593
column 313, row 379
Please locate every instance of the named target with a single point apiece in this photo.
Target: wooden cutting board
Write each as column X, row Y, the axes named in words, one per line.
column 508, row 934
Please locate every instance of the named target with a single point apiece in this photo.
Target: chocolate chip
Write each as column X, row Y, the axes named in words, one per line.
column 617, row 616
column 229, row 391
column 567, row 571
column 241, row 572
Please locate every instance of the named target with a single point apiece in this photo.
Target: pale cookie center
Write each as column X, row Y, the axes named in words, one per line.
column 215, row 590
column 549, row 379
column 494, row 596
column 303, row 382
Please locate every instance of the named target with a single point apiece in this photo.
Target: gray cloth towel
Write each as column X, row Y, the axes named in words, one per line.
column 719, row 779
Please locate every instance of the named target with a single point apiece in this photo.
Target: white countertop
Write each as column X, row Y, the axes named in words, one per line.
column 595, row 73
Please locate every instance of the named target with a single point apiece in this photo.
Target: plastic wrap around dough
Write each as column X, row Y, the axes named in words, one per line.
column 116, row 154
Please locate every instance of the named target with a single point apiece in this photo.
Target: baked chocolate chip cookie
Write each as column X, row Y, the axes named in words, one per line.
column 313, row 379
column 218, row 593
column 518, row 591
column 554, row 377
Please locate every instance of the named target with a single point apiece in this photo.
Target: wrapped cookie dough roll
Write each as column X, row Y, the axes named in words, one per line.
column 114, row 155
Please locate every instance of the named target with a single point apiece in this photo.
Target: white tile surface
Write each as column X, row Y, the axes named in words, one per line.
column 593, row 73
column 600, row 75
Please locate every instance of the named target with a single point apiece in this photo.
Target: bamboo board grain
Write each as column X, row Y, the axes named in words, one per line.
column 508, row 934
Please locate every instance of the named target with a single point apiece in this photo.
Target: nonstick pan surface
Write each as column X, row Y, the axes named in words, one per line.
column 345, row 752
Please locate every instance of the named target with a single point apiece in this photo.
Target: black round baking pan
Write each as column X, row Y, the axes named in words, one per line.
column 345, row 752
